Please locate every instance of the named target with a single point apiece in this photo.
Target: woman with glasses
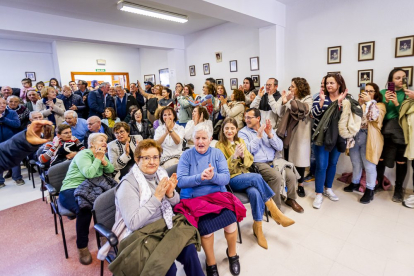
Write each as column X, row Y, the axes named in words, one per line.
column 121, row 151
column 368, row 142
column 144, row 201
column 170, row 136
column 139, row 126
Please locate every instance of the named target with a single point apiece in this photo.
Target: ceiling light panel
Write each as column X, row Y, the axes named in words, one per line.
column 148, row 11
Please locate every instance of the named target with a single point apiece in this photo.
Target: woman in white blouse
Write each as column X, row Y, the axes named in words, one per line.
column 170, row 136
column 200, row 115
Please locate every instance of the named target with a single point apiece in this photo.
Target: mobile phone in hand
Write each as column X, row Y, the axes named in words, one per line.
column 362, row 88
column 391, row 86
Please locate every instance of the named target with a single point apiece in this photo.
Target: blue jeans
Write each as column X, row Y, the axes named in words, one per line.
column 257, row 190
column 83, row 217
column 359, row 161
column 16, row 174
column 325, row 167
column 189, row 258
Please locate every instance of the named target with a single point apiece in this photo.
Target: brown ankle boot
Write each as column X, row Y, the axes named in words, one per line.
column 85, row 256
column 277, row 215
column 258, row 233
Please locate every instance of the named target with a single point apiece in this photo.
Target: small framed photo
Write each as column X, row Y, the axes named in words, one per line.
column 219, row 82
column 254, row 63
column 409, row 73
column 334, row 73
column 206, row 68
column 31, row 75
column 233, row 65
column 404, row 46
column 219, row 57
column 334, row 54
column 366, row 51
column 256, row 80
column 192, row 70
column 365, row 76
column 233, row 83
column 150, row 78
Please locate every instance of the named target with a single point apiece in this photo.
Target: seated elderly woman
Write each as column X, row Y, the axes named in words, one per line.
column 51, row 107
column 170, row 136
column 63, row 147
column 200, row 115
column 144, row 200
column 202, row 176
column 239, row 160
column 138, row 125
column 121, row 151
column 87, row 164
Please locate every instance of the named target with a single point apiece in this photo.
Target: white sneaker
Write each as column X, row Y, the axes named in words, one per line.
column 330, row 194
column 318, row 201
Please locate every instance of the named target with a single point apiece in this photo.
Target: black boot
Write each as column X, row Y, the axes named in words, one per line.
column 398, row 193
column 351, row 187
column 233, row 264
column 367, row 197
column 211, row 270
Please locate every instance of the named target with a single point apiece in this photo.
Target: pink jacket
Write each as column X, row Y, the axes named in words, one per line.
column 194, row 208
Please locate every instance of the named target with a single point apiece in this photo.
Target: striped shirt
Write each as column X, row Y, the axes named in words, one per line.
column 317, row 112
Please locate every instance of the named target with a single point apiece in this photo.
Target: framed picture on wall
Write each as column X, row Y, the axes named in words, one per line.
column 31, row 75
column 219, row 81
column 366, row 51
column 254, row 63
column 164, row 77
column 404, row 46
column 233, row 83
column 334, row 72
column 192, row 70
column 256, row 80
column 334, row 54
column 206, row 68
column 150, row 78
column 233, row 65
column 219, row 57
column 409, row 73
column 365, row 76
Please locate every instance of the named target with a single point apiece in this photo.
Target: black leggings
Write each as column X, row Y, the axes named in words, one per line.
column 401, row 172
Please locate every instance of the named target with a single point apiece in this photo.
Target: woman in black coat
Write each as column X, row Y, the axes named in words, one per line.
column 139, row 126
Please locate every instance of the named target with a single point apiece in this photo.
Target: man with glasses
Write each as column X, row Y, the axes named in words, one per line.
column 95, row 126
column 266, row 102
column 262, row 142
column 83, row 92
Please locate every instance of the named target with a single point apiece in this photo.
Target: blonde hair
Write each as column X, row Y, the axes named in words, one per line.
column 93, row 137
column 46, row 90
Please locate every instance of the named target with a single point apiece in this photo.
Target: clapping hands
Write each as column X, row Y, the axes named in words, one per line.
column 166, row 187
column 208, row 173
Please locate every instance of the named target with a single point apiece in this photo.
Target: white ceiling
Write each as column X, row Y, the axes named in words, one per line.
column 105, row 11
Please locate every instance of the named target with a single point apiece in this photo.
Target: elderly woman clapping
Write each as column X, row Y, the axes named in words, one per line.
column 202, row 176
column 144, row 200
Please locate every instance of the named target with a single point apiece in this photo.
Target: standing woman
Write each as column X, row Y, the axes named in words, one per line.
column 185, row 112
column 335, row 90
column 166, row 97
column 239, row 160
column 234, row 109
column 209, row 102
column 368, row 142
column 55, row 84
column 248, row 88
column 51, row 107
column 300, row 139
column 394, row 142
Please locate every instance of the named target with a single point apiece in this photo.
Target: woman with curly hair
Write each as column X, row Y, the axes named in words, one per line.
column 298, row 146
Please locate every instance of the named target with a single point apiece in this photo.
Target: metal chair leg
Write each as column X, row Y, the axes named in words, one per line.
column 63, row 236
column 54, row 216
column 102, row 268
column 238, row 230
column 32, row 175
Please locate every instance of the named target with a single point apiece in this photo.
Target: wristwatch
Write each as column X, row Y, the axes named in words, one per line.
column 171, row 130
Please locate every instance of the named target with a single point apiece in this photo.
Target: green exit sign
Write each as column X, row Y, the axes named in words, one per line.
column 100, row 70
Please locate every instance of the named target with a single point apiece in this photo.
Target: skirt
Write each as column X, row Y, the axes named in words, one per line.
column 210, row 223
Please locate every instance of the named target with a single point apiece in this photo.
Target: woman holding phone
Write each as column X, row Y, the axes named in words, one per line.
column 394, row 143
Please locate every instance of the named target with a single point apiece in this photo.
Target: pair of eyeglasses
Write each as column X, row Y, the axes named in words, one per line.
column 148, row 158
column 249, row 118
column 120, row 132
column 370, row 91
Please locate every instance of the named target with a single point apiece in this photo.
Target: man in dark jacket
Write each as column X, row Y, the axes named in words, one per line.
column 83, row 92
column 96, row 100
column 95, row 126
column 135, row 93
column 72, row 101
column 123, row 102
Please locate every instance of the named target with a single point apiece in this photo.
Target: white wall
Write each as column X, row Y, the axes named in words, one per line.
column 82, row 56
column 313, row 26
column 236, row 42
column 19, row 56
column 153, row 60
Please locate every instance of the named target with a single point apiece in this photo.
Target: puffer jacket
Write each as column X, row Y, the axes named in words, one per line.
column 89, row 190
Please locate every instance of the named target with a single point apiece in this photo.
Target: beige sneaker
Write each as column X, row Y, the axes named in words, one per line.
column 85, row 256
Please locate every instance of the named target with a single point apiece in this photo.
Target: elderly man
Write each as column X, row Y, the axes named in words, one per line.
column 79, row 126
column 261, row 140
column 123, row 102
column 13, row 103
column 266, row 102
column 31, row 98
column 83, row 92
column 98, row 100
column 71, row 101
column 94, row 126
column 6, row 91
column 35, row 116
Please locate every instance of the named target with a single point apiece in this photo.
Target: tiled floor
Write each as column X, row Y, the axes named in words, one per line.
column 343, row 238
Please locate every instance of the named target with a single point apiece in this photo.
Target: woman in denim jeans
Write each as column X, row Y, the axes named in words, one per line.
column 334, row 90
column 368, row 142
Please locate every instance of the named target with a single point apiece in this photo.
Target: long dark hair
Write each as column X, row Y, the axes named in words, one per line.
column 391, row 74
column 377, row 95
column 251, row 83
column 57, row 82
column 222, row 136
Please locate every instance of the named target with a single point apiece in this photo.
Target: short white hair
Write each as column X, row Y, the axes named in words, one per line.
column 31, row 114
column 94, row 136
column 203, row 127
column 12, row 97
column 74, row 114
